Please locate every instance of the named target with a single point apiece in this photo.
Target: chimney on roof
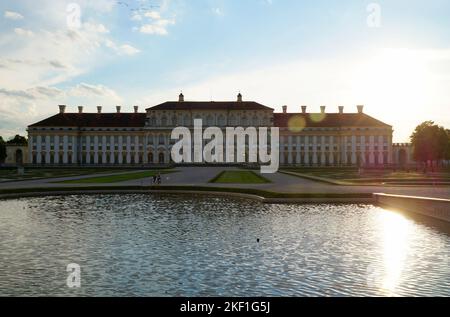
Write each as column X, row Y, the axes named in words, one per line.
column 136, row 109
column 99, row 109
column 62, row 108
column 284, row 109
column 304, row 109
column 118, row 109
column 341, row 109
column 322, row 109
column 80, row 109
column 181, row 98
column 360, row 108
column 239, row 97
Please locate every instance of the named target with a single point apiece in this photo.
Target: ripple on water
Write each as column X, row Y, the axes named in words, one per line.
column 140, row 245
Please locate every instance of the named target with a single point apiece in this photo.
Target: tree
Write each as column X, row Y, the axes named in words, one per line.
column 2, row 150
column 448, row 146
column 18, row 140
column 430, row 142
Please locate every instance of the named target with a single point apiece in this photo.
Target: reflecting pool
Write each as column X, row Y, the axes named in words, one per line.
column 164, row 245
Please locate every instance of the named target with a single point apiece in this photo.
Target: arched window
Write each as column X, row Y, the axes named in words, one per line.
column 164, row 121
column 221, row 121
column 150, row 157
column 174, row 121
column 186, row 121
column 161, row 158
column 244, row 121
column 153, row 121
column 232, row 120
column 210, row 120
column 162, row 140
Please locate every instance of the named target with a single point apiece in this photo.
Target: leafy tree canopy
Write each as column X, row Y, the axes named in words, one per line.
column 430, row 142
column 18, row 139
column 2, row 150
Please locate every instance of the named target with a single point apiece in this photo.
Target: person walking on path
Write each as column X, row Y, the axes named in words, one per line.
column 159, row 179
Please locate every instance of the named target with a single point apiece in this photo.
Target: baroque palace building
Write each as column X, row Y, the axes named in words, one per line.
column 306, row 139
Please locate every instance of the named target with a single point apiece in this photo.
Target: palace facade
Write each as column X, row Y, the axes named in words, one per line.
column 120, row 138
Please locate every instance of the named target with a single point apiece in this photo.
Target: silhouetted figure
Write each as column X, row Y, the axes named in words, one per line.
column 257, row 240
column 159, row 179
column 154, row 179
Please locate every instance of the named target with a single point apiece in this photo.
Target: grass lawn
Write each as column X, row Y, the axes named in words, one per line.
column 116, row 178
column 239, row 177
column 352, row 175
column 30, row 173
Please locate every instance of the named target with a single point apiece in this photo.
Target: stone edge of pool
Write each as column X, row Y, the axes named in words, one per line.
column 325, row 198
column 431, row 207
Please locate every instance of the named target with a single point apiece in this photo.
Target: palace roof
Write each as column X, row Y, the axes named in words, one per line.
column 136, row 120
column 101, row 120
column 317, row 120
column 210, row 105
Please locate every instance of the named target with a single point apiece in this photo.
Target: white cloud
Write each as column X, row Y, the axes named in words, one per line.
column 159, row 27
column 87, row 90
column 45, row 53
column 399, row 87
column 153, row 15
column 97, row 28
column 152, row 22
column 13, row 15
column 153, row 29
column 23, row 32
column 218, row 11
column 128, row 49
column 124, row 49
column 136, row 17
column 21, row 108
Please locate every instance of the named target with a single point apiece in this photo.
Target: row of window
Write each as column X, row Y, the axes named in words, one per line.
column 100, row 159
column 294, row 158
column 330, row 139
column 209, row 120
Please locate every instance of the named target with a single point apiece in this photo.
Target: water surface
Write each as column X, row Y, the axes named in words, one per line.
column 141, row 245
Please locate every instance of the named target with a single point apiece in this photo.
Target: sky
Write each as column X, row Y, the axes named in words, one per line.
column 391, row 56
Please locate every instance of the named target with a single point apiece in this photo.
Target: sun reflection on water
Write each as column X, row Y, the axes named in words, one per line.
column 396, row 237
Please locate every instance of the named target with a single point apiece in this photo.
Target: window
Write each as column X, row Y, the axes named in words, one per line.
column 232, row 120
column 187, row 121
column 161, row 139
column 210, row 120
column 221, row 121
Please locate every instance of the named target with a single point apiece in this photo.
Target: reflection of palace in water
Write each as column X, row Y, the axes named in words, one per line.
column 120, row 138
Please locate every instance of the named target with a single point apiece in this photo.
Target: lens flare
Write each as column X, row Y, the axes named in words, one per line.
column 317, row 117
column 296, row 124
